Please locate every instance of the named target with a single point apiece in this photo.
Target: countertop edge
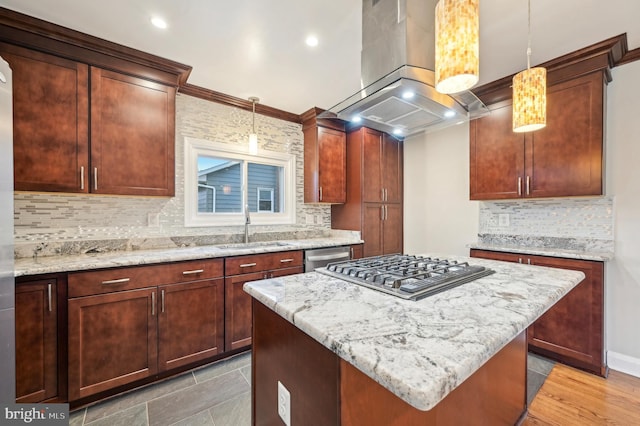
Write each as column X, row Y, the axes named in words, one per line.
column 544, row 251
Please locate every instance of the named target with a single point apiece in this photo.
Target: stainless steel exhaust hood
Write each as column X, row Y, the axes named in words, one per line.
column 397, row 60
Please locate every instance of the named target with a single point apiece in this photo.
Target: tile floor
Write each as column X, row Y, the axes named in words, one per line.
column 214, row 395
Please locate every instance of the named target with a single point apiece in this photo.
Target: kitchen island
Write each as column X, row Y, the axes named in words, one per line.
column 352, row 355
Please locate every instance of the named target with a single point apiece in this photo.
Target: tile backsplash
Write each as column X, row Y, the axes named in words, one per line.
column 570, row 223
column 50, row 217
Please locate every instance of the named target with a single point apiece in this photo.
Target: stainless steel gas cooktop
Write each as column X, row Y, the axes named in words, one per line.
column 406, row 276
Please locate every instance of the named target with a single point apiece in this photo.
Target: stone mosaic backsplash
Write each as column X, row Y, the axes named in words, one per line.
column 62, row 221
column 565, row 223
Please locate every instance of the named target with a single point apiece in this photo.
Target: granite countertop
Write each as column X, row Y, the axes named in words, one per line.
column 419, row 350
column 81, row 262
column 546, row 251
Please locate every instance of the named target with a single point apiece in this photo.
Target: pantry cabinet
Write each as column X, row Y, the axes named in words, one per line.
column 572, row 331
column 80, row 128
column 242, row 269
column 128, row 324
column 324, row 160
column 36, row 313
column 563, row 159
column 374, row 192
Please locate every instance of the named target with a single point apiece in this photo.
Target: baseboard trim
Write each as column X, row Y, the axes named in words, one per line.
column 623, row 363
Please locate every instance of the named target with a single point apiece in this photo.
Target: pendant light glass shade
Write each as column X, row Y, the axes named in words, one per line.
column 457, row 45
column 253, row 136
column 530, row 100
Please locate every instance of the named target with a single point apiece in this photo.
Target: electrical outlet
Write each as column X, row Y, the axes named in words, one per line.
column 284, row 404
column 503, row 219
column 153, row 220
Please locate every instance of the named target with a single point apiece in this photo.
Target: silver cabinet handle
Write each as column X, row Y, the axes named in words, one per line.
column 519, row 260
column 248, row 265
column 386, row 212
column 81, row 177
column 320, row 193
column 386, row 196
column 265, row 276
column 519, row 186
column 153, row 303
column 528, row 261
column 528, row 184
column 382, row 194
column 95, row 178
column 195, row 271
column 49, row 296
column 162, row 300
column 351, row 252
column 381, row 212
column 118, row 281
column 286, row 260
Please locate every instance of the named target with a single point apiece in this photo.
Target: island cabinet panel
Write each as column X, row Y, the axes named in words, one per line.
column 374, row 192
column 237, row 312
column 36, row 341
column 563, row 159
column 331, row 391
column 132, row 135
column 324, row 160
column 50, row 121
column 572, row 331
column 357, row 251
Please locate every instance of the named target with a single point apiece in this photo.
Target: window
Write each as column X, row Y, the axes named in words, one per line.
column 222, row 180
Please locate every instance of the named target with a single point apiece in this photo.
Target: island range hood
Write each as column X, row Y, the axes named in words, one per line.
column 397, row 73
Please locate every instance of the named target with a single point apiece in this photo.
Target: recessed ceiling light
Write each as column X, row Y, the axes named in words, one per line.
column 449, row 114
column 408, row 94
column 397, row 131
column 159, row 22
column 312, row 41
column 356, row 119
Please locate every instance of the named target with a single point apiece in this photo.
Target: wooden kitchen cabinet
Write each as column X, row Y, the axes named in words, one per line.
column 324, row 160
column 563, row 159
column 129, row 148
column 357, row 251
column 572, row 331
column 129, row 324
column 36, row 341
column 242, row 269
column 374, row 192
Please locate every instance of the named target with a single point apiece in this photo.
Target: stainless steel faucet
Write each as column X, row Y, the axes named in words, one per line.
column 247, row 221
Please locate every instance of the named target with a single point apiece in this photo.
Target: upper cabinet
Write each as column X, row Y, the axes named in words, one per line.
column 325, row 151
column 563, row 159
column 382, row 159
column 90, row 116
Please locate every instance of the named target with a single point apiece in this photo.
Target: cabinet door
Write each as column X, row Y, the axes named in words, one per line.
column 496, row 163
column 132, row 135
column 572, row 330
column 113, row 340
column 50, row 121
column 332, row 165
column 391, row 169
column 392, row 229
column 190, row 322
column 565, row 158
column 36, row 341
column 372, row 229
column 237, row 310
column 357, row 251
column 372, row 180
column 286, row 271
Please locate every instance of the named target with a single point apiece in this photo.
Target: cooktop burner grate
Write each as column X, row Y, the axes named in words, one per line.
column 406, row 276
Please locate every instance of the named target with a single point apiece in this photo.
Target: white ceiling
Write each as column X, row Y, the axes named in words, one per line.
column 256, row 47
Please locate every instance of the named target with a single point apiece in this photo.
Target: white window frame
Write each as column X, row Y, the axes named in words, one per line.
column 213, row 188
column 258, row 199
column 193, row 147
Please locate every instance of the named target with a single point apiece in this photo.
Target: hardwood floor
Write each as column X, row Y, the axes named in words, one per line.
column 572, row 397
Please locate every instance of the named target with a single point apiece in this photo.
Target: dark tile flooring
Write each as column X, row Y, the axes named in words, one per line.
column 215, row 395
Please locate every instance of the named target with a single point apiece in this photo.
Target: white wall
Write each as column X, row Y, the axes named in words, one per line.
column 623, row 183
column 438, row 216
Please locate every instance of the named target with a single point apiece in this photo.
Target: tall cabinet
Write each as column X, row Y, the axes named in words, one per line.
column 374, row 192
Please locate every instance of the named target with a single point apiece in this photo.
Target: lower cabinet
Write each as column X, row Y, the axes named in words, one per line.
column 36, row 341
column 126, row 324
column 382, row 228
column 242, row 269
column 572, row 331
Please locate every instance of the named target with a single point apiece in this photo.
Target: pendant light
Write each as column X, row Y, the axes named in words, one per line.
column 530, row 94
column 253, row 137
column 457, row 45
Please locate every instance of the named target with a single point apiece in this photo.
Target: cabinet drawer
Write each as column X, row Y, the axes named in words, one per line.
column 262, row 262
column 110, row 280
column 195, row 270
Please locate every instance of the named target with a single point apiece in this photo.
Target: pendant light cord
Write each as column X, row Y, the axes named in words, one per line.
column 529, row 35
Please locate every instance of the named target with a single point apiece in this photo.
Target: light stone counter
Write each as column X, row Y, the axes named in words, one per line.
column 546, row 251
column 420, row 350
column 67, row 263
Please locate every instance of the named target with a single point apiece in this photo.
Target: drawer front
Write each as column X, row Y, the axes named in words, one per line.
column 262, row 262
column 119, row 279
